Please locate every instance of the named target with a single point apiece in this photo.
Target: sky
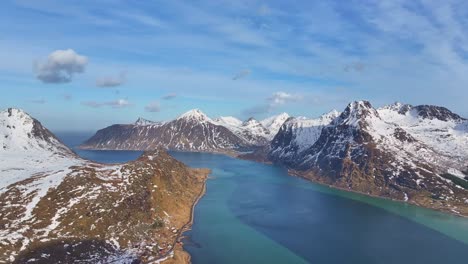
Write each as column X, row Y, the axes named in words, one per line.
column 84, row 65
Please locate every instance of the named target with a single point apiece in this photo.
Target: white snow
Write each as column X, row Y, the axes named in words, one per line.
column 449, row 138
column 145, row 122
column 195, row 115
column 228, row 121
column 305, row 131
column 274, row 123
column 456, row 173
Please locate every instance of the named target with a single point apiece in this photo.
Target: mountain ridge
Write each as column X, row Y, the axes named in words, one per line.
column 53, row 201
column 365, row 150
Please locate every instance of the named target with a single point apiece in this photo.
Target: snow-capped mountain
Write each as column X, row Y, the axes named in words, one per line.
column 53, row 201
column 145, row 122
column 20, row 132
column 395, row 151
column 437, row 127
column 192, row 131
column 25, row 145
column 228, row 121
column 251, row 130
column 297, row 135
column 274, row 123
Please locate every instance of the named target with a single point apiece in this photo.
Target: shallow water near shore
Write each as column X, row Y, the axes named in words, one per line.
column 257, row 213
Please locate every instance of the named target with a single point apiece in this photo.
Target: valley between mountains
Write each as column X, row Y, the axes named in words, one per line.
column 56, row 207
column 415, row 154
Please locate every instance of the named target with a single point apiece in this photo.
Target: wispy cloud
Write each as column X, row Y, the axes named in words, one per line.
column 67, row 97
column 153, row 107
column 38, row 101
column 281, row 98
column 60, row 66
column 169, row 96
column 111, row 81
column 119, row 103
column 241, row 74
column 141, row 18
column 271, row 103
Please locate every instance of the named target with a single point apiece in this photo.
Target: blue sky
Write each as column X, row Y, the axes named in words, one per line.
column 83, row 65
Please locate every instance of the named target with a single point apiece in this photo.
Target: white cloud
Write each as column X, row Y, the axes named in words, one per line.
column 153, row 107
column 274, row 101
column 111, row 81
column 281, row 98
column 60, row 66
column 119, row 103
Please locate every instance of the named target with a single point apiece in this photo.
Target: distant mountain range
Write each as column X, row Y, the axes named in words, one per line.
column 192, row 131
column 411, row 153
column 56, row 207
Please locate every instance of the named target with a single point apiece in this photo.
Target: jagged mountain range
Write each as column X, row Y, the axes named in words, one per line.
column 192, row 131
column 413, row 153
column 56, row 207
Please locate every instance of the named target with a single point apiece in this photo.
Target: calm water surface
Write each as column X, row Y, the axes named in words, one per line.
column 256, row 213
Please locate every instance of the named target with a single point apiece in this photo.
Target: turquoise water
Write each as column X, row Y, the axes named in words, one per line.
column 256, row 213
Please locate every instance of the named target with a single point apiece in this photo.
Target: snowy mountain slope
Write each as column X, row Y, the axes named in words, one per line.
column 437, row 127
column 228, row 121
column 297, row 135
column 192, row 131
column 25, row 145
column 251, row 130
column 51, row 199
column 145, row 122
column 362, row 151
column 274, row 123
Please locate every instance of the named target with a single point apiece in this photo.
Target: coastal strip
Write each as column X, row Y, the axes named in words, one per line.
column 178, row 255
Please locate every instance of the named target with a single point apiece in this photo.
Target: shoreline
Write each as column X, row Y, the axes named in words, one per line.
column 178, row 245
column 242, row 156
column 295, row 174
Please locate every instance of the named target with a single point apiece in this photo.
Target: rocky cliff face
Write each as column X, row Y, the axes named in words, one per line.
column 398, row 151
column 58, row 208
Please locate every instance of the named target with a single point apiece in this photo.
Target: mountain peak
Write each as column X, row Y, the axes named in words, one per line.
column 16, row 112
column 143, row 122
column 250, row 120
column 19, row 132
column 274, row 123
column 332, row 114
column 436, row 112
column 399, row 107
column 357, row 111
column 195, row 114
